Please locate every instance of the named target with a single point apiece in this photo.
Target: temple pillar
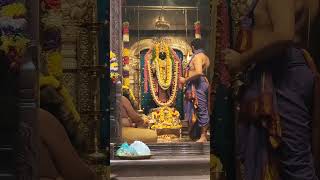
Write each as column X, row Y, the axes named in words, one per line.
column 116, row 91
column 27, row 147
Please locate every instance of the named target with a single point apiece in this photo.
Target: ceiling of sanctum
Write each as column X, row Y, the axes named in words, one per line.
column 178, row 13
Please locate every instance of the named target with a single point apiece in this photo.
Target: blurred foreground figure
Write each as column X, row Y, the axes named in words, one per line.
column 275, row 128
column 58, row 158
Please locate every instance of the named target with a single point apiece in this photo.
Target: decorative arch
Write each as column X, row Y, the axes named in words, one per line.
column 174, row 42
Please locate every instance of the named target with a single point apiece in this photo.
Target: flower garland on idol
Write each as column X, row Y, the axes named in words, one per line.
column 13, row 40
column 163, row 68
column 164, row 73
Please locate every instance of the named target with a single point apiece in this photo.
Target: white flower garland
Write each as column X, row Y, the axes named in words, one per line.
column 163, row 80
column 6, row 22
column 174, row 85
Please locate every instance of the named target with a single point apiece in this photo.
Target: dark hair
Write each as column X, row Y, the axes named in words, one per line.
column 126, row 93
column 53, row 102
column 197, row 44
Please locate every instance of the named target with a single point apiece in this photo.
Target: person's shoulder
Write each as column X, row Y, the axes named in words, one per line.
column 125, row 99
column 201, row 56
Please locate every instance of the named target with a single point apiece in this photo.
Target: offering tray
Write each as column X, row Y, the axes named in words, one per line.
column 134, row 157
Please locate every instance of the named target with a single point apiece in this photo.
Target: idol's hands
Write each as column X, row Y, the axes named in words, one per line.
column 233, row 60
column 182, row 80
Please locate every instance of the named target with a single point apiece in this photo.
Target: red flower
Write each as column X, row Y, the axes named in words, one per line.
column 52, row 4
column 125, row 60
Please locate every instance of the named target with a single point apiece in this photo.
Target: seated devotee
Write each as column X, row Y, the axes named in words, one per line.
column 61, row 136
column 53, row 102
column 130, row 119
column 58, row 158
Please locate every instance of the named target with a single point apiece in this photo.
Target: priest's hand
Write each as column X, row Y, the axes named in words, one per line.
column 182, row 80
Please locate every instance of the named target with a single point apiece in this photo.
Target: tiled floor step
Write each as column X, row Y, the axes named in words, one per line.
column 170, row 159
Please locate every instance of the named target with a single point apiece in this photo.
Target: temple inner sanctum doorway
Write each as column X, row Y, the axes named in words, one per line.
column 147, row 60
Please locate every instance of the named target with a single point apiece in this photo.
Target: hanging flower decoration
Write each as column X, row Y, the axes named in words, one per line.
column 125, row 31
column 13, row 41
column 10, row 26
column 55, row 64
column 51, row 4
column 52, row 81
column 18, row 43
column 197, row 28
column 15, row 10
column 223, row 41
column 126, row 68
column 114, row 67
column 52, row 19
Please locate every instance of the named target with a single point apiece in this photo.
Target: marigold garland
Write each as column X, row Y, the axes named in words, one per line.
column 112, row 55
column 52, row 81
column 12, row 37
column 114, row 67
column 55, row 64
column 52, row 22
column 163, row 68
column 126, row 52
column 49, row 81
column 17, row 42
column 13, row 10
column 126, row 68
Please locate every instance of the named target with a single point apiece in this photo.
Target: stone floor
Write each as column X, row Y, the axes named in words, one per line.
column 185, row 160
column 207, row 177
